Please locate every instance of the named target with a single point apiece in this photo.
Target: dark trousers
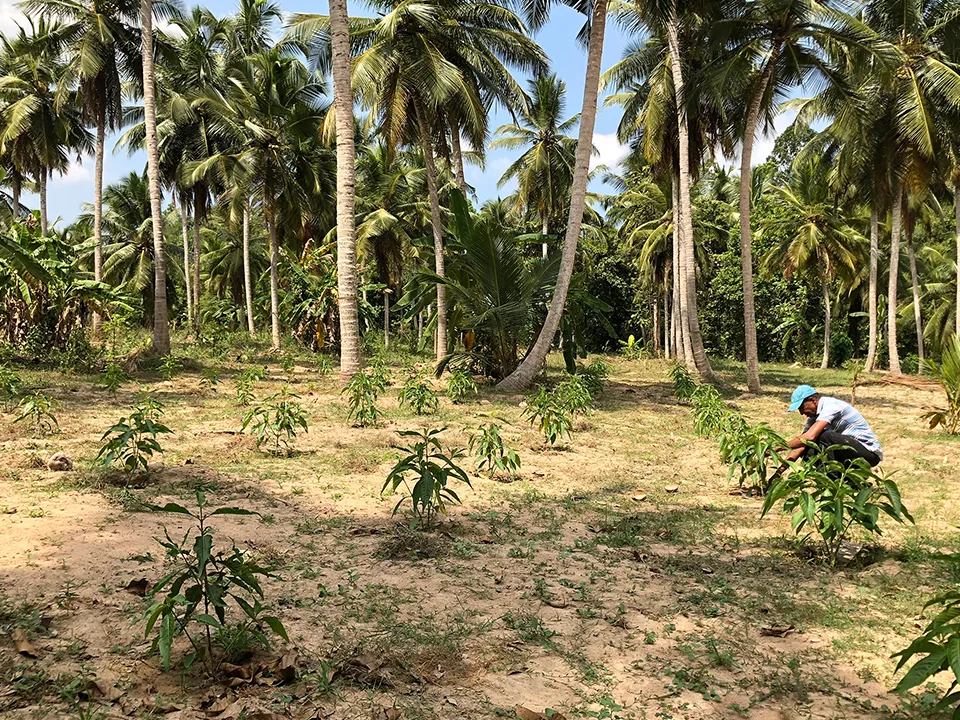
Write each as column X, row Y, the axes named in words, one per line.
column 851, row 450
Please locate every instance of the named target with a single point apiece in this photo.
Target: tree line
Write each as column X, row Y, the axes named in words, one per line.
column 319, row 214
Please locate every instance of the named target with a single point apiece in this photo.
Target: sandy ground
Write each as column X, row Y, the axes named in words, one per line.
column 617, row 578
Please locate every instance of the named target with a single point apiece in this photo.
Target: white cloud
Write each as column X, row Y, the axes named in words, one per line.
column 77, row 173
column 611, row 151
column 11, row 18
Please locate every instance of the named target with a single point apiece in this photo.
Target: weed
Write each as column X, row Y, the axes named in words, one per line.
column 324, row 366
column 530, row 629
column 112, row 377
column 276, row 422
column 209, row 379
column 683, row 384
column 573, row 395
column 169, row 367
column 10, row 382
column 430, row 468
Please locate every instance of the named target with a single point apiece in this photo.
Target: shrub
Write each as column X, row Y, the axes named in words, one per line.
column 380, row 373
column 429, row 468
column 683, row 384
column 947, row 371
column 631, row 349
column 828, row 498
column 77, row 355
column 199, row 589
column 37, row 409
column 418, row 396
column 461, row 385
column 711, row 414
column 551, row 417
column 132, row 441
column 492, row 456
column 324, row 366
column 112, row 377
column 573, row 394
column 276, row 421
column 937, row 650
column 362, row 392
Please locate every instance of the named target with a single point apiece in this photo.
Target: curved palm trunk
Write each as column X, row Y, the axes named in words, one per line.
column 274, row 280
column 185, row 232
column 917, row 317
column 161, row 322
column 457, row 156
column 896, row 225
column 350, row 360
column 686, row 209
column 827, row 321
column 956, row 212
column 871, row 360
column 247, row 280
column 527, row 370
column 44, row 226
column 746, row 244
column 436, row 223
column 685, row 347
column 98, row 205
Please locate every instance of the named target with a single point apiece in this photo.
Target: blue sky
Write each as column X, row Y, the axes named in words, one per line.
column 67, row 194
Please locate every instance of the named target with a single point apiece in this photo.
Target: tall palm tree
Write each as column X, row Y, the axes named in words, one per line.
column 537, row 355
column 922, row 86
column 817, row 240
column 161, row 319
column 272, row 109
column 544, row 172
column 100, row 41
column 775, row 45
column 418, row 59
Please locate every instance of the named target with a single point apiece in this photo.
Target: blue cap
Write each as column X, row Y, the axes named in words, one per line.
column 799, row 395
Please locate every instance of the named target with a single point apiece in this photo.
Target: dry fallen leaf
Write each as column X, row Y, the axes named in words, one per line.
column 286, row 667
column 526, row 714
column 392, row 714
column 23, row 644
column 777, row 631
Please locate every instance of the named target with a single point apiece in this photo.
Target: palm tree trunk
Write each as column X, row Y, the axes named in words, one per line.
column 667, row 350
column 186, row 260
column 686, row 213
column 386, row 318
column 675, row 330
column 746, row 244
column 274, row 280
column 15, row 191
column 824, row 364
column 685, row 347
column 872, row 300
column 350, row 360
column 436, row 223
column 917, row 317
column 956, row 213
column 44, row 226
column 247, row 279
column 544, row 229
column 457, row 155
column 896, row 226
column 536, row 357
column 98, row 205
column 656, row 326
column 198, row 216
column 161, row 321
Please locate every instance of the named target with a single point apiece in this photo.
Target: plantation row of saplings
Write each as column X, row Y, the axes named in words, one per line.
column 214, row 593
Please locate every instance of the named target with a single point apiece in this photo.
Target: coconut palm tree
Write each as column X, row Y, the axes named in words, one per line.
column 818, row 239
column 101, row 44
column 544, row 172
column 272, row 109
column 418, row 59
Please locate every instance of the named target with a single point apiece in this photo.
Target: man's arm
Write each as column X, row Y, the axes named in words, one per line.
column 798, row 444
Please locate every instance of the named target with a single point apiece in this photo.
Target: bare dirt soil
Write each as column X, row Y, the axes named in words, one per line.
column 619, row 577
